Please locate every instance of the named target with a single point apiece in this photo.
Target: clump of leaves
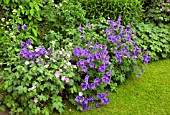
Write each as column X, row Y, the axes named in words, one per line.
column 154, row 38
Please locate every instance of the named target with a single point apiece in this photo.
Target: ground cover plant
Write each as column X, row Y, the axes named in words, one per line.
column 155, row 38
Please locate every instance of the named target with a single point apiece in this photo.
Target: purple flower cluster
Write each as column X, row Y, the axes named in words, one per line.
column 102, row 97
column 100, row 53
column 25, row 51
column 84, row 101
column 85, row 85
column 125, row 45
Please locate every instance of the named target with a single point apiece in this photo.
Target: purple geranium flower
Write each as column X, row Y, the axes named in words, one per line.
column 97, row 81
column 106, row 80
column 25, row 27
column 84, row 69
column 110, row 22
column 19, row 27
column 86, row 79
column 105, row 100
column 80, row 28
column 88, row 25
column 84, row 86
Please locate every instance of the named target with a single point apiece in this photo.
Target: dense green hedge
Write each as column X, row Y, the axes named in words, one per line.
column 129, row 10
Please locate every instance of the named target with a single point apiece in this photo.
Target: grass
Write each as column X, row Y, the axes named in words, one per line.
column 148, row 95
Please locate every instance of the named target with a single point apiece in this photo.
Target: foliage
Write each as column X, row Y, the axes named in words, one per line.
column 63, row 18
column 37, row 80
column 129, row 10
column 158, row 11
column 16, row 17
column 154, row 38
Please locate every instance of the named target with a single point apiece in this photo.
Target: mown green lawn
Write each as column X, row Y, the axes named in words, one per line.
column 148, row 95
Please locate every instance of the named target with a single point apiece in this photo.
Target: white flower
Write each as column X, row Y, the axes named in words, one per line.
column 54, row 60
column 68, row 63
column 37, row 50
column 74, row 66
column 46, row 56
column 62, row 49
column 3, row 19
column 53, row 42
column 52, row 0
column 60, row 4
column 46, row 66
column 70, row 44
column 63, row 78
column 60, row 52
column 80, row 94
column 60, row 70
column 30, row 47
column 68, row 55
column 27, row 62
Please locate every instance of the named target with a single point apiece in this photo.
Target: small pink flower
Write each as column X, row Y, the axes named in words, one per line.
column 35, row 100
column 29, row 89
column 63, row 78
column 57, row 74
column 67, row 80
column 163, row 7
column 80, row 94
column 169, row 8
column 27, row 62
column 65, row 67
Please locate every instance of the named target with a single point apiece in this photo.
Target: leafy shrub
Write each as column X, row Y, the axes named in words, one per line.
column 158, row 11
column 36, row 80
column 154, row 38
column 16, row 16
column 104, row 58
column 129, row 10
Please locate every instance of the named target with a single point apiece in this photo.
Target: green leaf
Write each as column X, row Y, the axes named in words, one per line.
column 34, row 32
column 6, row 1
column 37, row 7
column 32, row 12
column 2, row 108
column 31, row 4
column 19, row 110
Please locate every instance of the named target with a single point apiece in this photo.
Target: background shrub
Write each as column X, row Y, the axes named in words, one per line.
column 157, row 11
column 129, row 10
